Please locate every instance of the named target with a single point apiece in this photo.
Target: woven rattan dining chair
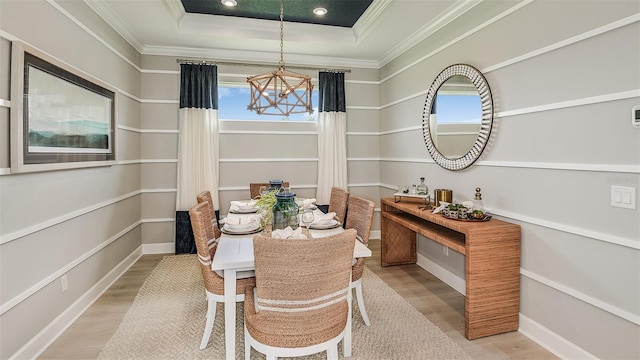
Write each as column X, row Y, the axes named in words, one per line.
column 338, row 201
column 360, row 218
column 254, row 188
column 205, row 196
column 301, row 304
column 213, row 283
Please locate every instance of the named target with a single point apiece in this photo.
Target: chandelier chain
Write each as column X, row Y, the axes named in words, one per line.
column 281, row 34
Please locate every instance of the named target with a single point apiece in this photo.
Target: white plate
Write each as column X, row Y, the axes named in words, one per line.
column 243, row 211
column 330, row 225
column 225, row 229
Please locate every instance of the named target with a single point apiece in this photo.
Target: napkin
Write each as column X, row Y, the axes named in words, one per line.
column 307, row 203
column 242, row 205
column 239, row 223
column 288, row 233
column 323, row 219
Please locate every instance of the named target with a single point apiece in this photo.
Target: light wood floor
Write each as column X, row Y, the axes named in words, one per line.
column 437, row 301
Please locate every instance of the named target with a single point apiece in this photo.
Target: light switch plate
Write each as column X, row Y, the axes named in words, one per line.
column 623, row 197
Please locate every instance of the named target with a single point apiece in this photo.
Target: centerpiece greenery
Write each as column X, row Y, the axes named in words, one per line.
column 265, row 207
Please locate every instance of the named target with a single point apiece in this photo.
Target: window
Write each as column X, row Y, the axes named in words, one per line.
column 233, row 101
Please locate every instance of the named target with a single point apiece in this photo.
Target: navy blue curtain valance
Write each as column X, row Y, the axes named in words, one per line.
column 331, row 92
column 198, row 86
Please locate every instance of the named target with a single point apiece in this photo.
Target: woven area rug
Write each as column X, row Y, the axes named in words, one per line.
column 166, row 321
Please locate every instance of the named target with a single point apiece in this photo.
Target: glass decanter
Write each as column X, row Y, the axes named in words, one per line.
column 422, row 188
column 477, row 210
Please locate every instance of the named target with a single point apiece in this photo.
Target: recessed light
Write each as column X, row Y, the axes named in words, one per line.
column 320, row 11
column 229, row 3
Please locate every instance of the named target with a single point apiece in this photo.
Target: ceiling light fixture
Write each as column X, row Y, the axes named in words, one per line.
column 280, row 92
column 320, row 11
column 229, row 3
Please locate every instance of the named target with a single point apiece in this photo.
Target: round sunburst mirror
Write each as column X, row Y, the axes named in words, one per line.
column 457, row 117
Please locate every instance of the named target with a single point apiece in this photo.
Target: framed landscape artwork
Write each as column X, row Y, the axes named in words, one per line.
column 60, row 117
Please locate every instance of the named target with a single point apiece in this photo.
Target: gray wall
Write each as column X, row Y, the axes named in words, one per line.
column 564, row 76
column 84, row 224
column 566, row 66
column 250, row 151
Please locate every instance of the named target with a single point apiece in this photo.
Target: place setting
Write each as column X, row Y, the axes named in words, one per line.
column 241, row 225
column 243, row 207
column 319, row 221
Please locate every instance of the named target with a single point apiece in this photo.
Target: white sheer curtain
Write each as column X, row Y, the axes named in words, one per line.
column 332, row 130
column 197, row 146
column 197, row 156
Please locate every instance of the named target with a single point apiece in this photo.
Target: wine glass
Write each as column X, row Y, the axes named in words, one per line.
column 263, row 190
column 307, row 217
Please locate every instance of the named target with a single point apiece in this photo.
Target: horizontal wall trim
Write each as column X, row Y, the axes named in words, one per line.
column 158, row 220
column 613, row 168
column 572, row 103
column 611, row 239
column 634, row 318
column 634, row 169
column 144, row 191
column 566, row 42
column 5, row 103
column 41, row 341
column 457, row 39
column 52, row 277
column 93, row 34
column 150, row 131
column 245, row 160
column 160, row 101
column 256, row 132
column 60, row 219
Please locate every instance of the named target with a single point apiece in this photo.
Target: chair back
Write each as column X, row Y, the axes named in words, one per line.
column 254, row 188
column 303, row 285
column 360, row 217
column 206, row 246
column 205, row 196
column 338, row 203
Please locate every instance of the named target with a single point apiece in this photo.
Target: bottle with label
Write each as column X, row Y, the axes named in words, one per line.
column 422, row 188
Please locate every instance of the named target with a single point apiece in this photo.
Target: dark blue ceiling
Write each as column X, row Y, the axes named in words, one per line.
column 343, row 13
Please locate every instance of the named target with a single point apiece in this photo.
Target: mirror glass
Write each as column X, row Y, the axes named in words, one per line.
column 458, row 116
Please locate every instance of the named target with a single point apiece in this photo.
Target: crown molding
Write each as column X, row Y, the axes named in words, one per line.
column 369, row 19
column 105, row 12
column 259, row 57
column 453, row 12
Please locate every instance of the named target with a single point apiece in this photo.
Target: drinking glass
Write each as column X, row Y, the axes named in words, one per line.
column 263, row 190
column 307, row 217
column 264, row 219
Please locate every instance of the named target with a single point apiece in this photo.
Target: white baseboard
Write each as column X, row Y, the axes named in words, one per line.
column 39, row 343
column 375, row 235
column 449, row 278
column 159, row 248
column 539, row 334
column 551, row 341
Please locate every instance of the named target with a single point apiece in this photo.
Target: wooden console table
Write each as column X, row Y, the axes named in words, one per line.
column 492, row 260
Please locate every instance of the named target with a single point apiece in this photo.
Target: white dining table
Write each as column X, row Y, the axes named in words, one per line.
column 235, row 253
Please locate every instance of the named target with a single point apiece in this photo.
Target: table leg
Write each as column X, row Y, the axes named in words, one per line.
column 230, row 313
column 346, row 342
